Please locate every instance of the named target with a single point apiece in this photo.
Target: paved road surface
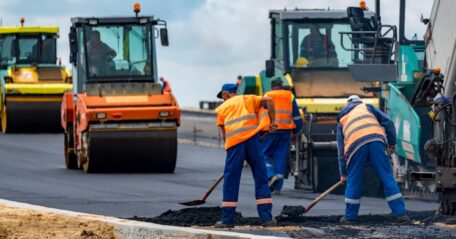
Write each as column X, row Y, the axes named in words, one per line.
column 32, row 171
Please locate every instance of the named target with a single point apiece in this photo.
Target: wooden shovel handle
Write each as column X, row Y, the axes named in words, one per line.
column 319, row 198
column 219, row 179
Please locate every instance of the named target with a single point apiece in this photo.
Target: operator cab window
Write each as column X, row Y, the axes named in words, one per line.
column 118, row 51
column 27, row 49
column 7, row 49
column 317, row 45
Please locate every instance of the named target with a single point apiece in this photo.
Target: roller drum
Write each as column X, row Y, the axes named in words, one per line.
column 33, row 117
column 132, row 150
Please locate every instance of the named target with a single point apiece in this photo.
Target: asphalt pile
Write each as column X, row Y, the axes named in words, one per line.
column 422, row 225
column 290, row 216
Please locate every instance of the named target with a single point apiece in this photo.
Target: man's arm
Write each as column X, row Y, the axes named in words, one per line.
column 271, row 110
column 296, row 117
column 108, row 50
column 340, row 152
column 222, row 129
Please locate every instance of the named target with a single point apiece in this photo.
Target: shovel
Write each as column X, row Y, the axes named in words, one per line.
column 205, row 195
column 319, row 198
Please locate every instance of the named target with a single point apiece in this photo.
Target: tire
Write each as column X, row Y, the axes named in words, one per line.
column 71, row 161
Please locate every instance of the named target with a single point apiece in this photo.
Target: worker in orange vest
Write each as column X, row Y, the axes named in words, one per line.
column 276, row 146
column 241, row 118
column 363, row 5
column 361, row 139
column 166, row 87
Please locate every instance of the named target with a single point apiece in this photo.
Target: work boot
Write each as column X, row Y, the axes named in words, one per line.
column 220, row 224
column 403, row 219
column 271, row 223
column 345, row 221
column 273, row 180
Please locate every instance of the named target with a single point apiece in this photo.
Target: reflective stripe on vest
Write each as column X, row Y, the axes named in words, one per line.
column 283, row 100
column 240, row 122
column 358, row 123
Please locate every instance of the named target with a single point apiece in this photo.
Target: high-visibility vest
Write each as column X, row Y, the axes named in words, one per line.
column 242, row 119
column 167, row 88
column 283, row 108
column 358, row 123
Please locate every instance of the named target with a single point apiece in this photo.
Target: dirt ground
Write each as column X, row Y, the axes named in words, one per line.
column 16, row 223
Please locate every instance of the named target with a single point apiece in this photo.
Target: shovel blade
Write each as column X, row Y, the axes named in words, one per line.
column 193, row 203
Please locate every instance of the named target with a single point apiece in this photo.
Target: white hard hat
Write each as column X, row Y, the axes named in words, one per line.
column 353, row 99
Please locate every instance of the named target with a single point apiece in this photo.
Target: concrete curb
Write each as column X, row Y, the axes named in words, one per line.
column 127, row 229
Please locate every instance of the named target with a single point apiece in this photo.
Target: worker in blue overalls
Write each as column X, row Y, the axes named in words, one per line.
column 241, row 118
column 366, row 135
column 276, row 145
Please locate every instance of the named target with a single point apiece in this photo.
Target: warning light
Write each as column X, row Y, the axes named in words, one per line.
column 136, row 8
column 22, row 21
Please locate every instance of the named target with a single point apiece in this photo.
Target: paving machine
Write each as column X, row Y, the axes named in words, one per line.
column 117, row 118
column 307, row 53
column 401, row 74
column 31, row 82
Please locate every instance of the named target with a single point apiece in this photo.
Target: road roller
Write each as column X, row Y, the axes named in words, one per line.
column 117, row 119
column 32, row 83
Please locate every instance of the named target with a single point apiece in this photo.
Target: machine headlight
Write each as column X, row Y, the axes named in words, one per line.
column 164, row 113
column 101, row 115
column 93, row 22
column 143, row 20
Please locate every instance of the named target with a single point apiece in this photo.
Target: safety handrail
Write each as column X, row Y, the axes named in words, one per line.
column 376, row 34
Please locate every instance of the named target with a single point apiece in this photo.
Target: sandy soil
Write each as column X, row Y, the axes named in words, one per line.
column 21, row 223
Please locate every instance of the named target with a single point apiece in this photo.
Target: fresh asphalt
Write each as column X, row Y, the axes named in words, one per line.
column 32, row 170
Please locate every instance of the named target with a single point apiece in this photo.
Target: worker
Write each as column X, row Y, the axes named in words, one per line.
column 166, row 87
column 276, row 146
column 239, row 80
column 241, row 118
column 366, row 135
column 47, row 51
column 363, row 5
column 317, row 49
column 100, row 55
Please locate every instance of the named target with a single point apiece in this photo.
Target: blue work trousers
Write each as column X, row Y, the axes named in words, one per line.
column 250, row 151
column 276, row 147
column 375, row 154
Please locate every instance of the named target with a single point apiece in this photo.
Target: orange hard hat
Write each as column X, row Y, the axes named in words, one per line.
column 362, row 5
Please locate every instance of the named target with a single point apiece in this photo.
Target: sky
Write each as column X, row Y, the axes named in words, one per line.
column 211, row 41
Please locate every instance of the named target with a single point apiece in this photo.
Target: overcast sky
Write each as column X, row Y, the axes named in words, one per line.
column 211, row 41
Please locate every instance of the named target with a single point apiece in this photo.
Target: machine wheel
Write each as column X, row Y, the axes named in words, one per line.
column 71, row 161
column 88, row 165
column 4, row 120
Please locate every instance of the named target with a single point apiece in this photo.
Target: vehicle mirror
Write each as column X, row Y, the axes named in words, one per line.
column 164, row 37
column 270, row 68
column 72, row 36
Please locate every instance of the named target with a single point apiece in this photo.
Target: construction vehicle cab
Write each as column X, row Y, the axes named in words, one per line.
column 31, row 81
column 117, row 116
